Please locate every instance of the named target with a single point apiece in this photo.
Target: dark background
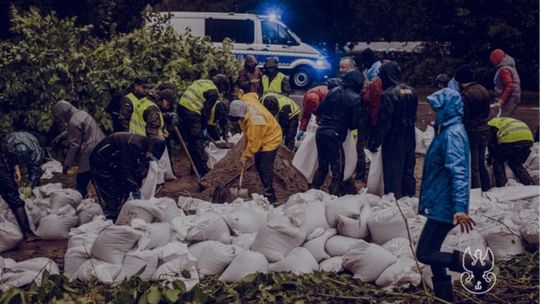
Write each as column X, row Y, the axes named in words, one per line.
column 455, row 31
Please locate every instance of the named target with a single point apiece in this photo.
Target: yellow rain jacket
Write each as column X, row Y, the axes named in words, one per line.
column 260, row 127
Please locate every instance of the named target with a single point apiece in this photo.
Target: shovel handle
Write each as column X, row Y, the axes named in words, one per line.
column 241, row 177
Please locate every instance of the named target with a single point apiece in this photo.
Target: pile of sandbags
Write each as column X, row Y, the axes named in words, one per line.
column 16, row 274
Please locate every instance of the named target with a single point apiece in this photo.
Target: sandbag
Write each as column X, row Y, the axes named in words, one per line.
column 245, row 263
column 148, row 188
column 350, row 155
column 530, row 232
column 87, row 210
column 173, row 251
column 457, row 240
column 17, row 274
column 63, row 197
column 209, row 226
column 47, row 190
column 191, row 204
column 85, row 234
column 399, row 247
column 196, row 249
column 51, row 167
column 165, row 171
column 216, row 257
column 10, row 234
column 277, row 238
column 347, row 205
column 245, row 219
column 169, row 209
column 401, row 274
column 334, row 264
column 513, row 193
column 297, row 261
column 95, row 269
column 113, row 242
column 504, row 240
column 339, row 245
column 139, row 209
column 317, row 245
column 312, row 215
column 386, row 224
column 175, row 269
column 152, row 235
column 355, row 227
column 424, row 139
column 375, row 180
column 244, row 240
column 56, row 225
column 74, row 258
column 367, row 261
column 135, row 261
column 310, row 196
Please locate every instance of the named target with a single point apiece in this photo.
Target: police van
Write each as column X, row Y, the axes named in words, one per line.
column 261, row 36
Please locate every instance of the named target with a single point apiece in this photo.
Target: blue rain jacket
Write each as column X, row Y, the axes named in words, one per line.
column 445, row 182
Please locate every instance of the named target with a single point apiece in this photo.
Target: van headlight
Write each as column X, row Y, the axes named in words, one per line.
column 319, row 63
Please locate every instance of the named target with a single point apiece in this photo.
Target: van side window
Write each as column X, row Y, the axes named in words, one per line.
column 240, row 31
column 274, row 33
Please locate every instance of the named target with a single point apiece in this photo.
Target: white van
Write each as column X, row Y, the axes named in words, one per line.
column 259, row 35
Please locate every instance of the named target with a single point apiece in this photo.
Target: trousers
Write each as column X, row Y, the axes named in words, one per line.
column 264, row 163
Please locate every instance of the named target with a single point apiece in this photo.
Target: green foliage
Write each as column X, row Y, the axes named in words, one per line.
column 51, row 59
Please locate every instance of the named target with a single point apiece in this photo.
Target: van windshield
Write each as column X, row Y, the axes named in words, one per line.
column 275, row 33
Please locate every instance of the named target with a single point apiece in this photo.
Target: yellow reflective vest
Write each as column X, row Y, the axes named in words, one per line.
column 137, row 124
column 511, row 130
column 275, row 85
column 193, row 98
column 212, row 119
column 285, row 101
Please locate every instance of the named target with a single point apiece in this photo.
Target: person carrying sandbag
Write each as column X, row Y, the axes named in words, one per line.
column 287, row 112
column 263, row 135
column 444, row 194
column 119, row 163
column 29, row 154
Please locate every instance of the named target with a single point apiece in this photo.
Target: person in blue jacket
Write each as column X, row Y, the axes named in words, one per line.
column 444, row 194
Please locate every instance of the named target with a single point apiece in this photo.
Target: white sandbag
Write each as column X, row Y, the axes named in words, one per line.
column 350, row 155
column 190, row 205
column 310, row 196
column 457, row 240
column 152, row 235
column 216, row 257
column 367, row 261
column 245, row 263
column 215, row 154
column 135, row 261
column 95, row 269
column 113, row 242
column 424, row 139
column 244, row 240
column 18, row 274
column 56, row 225
column 165, row 171
column 33, row 212
column 173, row 251
column 317, row 245
column 504, row 240
column 10, row 234
column 148, row 188
column 74, row 258
column 47, row 190
column 87, row 210
column 514, row 193
column 86, row 233
column 196, row 249
column 312, row 215
column 63, row 197
column 530, row 232
column 354, row 227
column 386, row 224
column 339, row 245
column 245, row 220
column 347, row 205
column 375, row 180
column 305, row 158
column 181, row 225
column 297, row 261
column 401, row 274
column 277, row 238
column 169, row 209
column 334, row 264
column 399, row 247
column 209, row 226
column 51, row 167
column 146, row 210
column 176, row 270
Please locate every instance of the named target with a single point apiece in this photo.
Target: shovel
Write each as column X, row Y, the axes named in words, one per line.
column 239, row 192
column 184, row 147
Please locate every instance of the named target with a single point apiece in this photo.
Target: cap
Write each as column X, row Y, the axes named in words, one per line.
column 141, row 80
column 497, row 56
column 238, row 109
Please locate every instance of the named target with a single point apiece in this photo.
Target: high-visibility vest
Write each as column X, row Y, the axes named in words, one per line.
column 212, row 119
column 285, row 101
column 511, row 130
column 137, row 124
column 275, row 85
column 193, row 98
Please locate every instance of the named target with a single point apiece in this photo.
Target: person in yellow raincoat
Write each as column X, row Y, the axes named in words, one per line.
column 263, row 135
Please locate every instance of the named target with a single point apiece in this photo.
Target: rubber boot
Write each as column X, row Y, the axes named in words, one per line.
column 442, row 286
column 22, row 220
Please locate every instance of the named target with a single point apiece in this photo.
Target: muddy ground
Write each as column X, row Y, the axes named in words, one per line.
column 286, row 182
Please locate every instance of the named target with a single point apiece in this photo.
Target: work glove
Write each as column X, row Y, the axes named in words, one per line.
column 300, row 135
column 27, row 192
column 136, row 195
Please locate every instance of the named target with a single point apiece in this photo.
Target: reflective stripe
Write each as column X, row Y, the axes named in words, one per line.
column 285, row 101
column 511, row 130
column 137, row 124
column 211, row 120
column 193, row 98
column 274, row 86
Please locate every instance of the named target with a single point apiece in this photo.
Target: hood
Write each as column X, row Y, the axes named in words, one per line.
column 250, row 98
column 368, row 57
column 447, row 105
column 63, row 110
column 390, row 75
column 333, row 82
column 507, row 61
column 353, row 80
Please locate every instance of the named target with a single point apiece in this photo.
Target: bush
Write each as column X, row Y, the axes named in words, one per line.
column 52, row 59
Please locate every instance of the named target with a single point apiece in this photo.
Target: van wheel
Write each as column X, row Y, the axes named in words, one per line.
column 302, row 77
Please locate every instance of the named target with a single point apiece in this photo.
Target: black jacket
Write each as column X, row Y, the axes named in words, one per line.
column 337, row 113
column 123, row 156
column 476, row 107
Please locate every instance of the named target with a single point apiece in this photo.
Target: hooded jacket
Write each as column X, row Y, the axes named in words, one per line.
column 28, row 151
column 311, row 102
column 83, row 134
column 338, row 111
column 507, row 82
column 445, row 181
column 260, row 127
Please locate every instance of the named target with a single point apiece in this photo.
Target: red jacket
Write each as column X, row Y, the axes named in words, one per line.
column 372, row 97
column 505, row 76
column 311, row 102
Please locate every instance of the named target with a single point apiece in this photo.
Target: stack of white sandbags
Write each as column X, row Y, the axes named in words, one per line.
column 16, row 274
